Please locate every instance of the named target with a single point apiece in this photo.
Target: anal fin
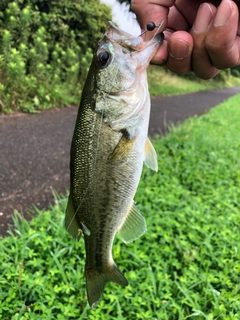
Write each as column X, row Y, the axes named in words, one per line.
column 133, row 227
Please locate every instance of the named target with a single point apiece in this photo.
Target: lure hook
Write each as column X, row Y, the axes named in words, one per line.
column 151, row 26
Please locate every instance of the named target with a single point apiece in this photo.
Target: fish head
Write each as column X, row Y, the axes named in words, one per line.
column 121, row 59
column 117, row 80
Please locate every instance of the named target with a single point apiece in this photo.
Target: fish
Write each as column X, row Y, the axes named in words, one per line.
column 109, row 146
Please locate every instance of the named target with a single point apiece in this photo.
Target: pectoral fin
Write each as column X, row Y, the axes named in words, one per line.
column 122, row 149
column 133, row 227
column 71, row 223
column 150, row 156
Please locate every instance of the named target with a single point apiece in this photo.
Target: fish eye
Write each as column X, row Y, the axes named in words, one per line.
column 103, row 58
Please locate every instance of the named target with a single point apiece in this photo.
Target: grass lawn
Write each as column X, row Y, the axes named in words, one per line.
column 165, row 83
column 187, row 265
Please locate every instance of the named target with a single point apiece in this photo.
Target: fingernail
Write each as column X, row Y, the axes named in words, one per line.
column 203, row 19
column 223, row 13
column 178, row 49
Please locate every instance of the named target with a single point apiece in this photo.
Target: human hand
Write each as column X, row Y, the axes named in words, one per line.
column 199, row 37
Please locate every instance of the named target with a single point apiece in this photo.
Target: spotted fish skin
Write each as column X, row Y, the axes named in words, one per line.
column 109, row 147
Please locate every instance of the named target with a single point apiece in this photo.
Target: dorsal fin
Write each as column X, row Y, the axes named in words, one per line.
column 150, row 156
column 134, row 225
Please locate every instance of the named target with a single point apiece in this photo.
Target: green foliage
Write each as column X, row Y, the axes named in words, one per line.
column 163, row 82
column 186, row 266
column 45, row 50
column 46, row 47
column 235, row 71
column 127, row 2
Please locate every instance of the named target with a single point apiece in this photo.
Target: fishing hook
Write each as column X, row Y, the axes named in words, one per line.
column 151, row 26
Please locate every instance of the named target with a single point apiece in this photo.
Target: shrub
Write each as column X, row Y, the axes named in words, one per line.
column 45, row 50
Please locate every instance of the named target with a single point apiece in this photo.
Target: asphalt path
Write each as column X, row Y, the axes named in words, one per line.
column 34, row 148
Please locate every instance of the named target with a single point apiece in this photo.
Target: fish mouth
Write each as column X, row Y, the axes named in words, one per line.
column 144, row 49
column 150, row 48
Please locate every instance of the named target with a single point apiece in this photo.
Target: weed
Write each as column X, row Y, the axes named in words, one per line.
column 187, row 265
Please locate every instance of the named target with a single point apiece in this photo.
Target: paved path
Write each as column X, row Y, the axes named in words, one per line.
column 177, row 108
column 34, row 148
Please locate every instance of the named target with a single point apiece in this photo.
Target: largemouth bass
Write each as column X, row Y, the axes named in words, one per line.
column 109, row 147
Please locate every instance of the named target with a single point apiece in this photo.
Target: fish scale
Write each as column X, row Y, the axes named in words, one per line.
column 108, row 149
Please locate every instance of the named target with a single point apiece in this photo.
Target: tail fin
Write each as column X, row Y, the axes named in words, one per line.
column 96, row 282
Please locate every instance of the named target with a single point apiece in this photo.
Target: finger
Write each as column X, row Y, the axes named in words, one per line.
column 201, row 61
column 152, row 10
column 223, row 41
column 162, row 54
column 179, row 60
column 180, row 46
column 178, row 19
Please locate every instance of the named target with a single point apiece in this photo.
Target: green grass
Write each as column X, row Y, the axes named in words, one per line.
column 162, row 82
column 187, row 265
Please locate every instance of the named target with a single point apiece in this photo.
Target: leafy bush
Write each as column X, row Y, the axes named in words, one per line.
column 187, row 265
column 45, row 50
column 235, row 71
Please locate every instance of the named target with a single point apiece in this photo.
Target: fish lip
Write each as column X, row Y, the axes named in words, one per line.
column 130, row 42
column 121, row 32
column 159, row 37
column 124, row 39
column 149, row 50
column 112, row 27
column 156, row 40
